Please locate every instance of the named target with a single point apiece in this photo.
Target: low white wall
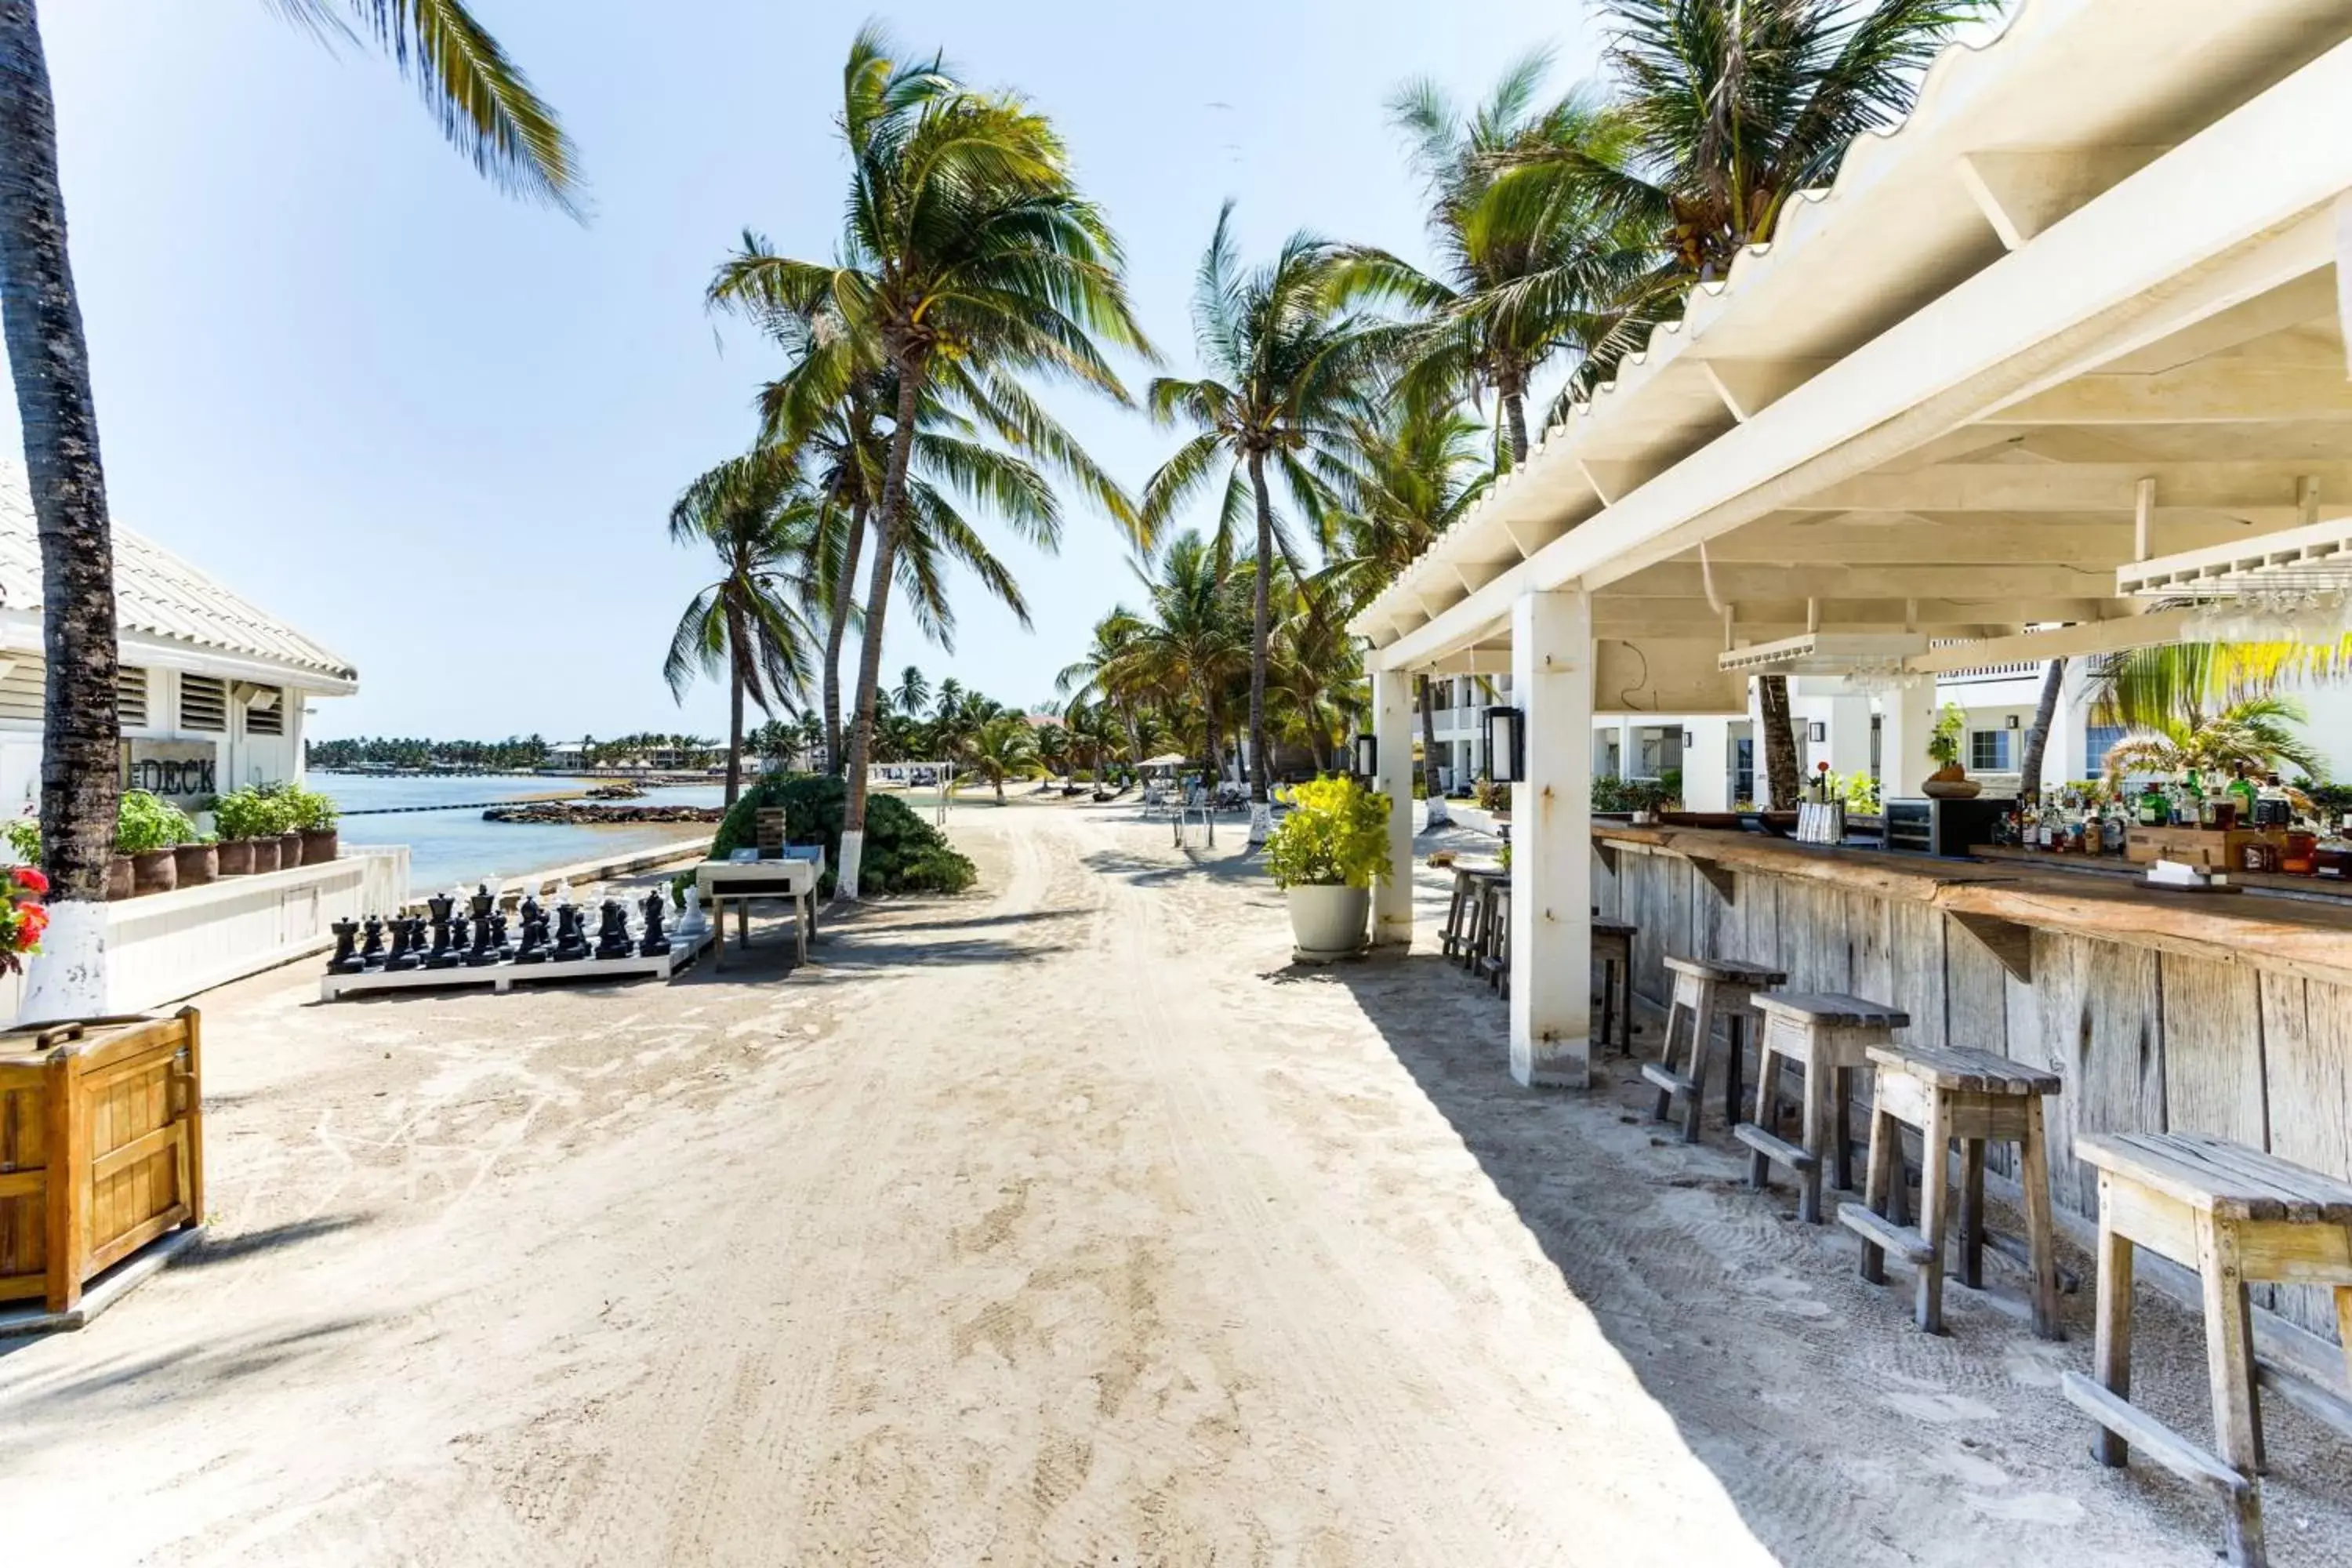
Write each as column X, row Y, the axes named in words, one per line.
column 166, row 946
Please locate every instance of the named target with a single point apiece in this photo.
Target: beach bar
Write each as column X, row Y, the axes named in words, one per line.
column 2053, row 369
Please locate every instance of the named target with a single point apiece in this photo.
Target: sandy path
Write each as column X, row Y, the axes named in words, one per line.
column 1058, row 1224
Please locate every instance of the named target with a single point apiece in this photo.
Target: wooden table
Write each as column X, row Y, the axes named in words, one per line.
column 793, row 875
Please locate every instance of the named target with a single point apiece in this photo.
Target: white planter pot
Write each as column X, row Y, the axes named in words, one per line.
column 1328, row 922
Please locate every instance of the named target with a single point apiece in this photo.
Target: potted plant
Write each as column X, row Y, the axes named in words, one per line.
column 250, row 824
column 148, row 829
column 1327, row 856
column 1949, row 780
column 198, row 861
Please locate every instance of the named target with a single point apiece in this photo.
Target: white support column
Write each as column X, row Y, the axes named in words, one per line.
column 1551, row 842
column 1910, row 719
column 1629, row 749
column 1849, row 743
column 1707, row 762
column 1392, row 731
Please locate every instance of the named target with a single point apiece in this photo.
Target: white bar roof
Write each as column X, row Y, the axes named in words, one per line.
column 2097, row 254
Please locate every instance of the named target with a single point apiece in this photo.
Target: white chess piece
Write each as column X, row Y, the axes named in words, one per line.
column 694, row 925
column 563, row 893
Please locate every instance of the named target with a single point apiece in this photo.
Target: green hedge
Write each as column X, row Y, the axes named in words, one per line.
column 904, row 854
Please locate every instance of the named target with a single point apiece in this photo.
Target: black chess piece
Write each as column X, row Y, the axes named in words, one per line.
column 481, row 954
column 613, row 939
column 407, row 936
column 657, row 942
column 571, row 941
column 534, row 933
column 448, row 942
column 498, row 942
column 372, row 950
column 344, row 960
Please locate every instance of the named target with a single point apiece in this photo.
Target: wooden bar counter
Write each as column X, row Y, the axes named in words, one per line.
column 2163, row 1012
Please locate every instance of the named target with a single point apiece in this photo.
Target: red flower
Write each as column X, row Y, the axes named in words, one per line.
column 33, row 918
column 30, row 878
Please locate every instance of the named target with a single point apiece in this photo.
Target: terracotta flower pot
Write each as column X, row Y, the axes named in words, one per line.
column 265, row 854
column 156, row 871
column 121, row 883
column 319, row 845
column 289, row 851
column 233, row 857
column 198, row 864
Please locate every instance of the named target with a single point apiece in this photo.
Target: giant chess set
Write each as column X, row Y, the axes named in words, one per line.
column 465, row 940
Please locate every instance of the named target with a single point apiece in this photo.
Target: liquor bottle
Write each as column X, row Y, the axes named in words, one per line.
column 2155, row 811
column 2243, row 790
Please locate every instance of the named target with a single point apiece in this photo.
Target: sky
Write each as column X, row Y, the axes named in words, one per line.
column 439, row 429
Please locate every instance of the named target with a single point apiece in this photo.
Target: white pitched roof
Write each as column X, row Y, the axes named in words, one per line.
column 157, row 594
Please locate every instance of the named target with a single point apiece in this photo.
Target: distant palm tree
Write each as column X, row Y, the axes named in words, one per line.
column 1404, row 478
column 1526, row 268
column 912, row 692
column 1004, row 747
column 969, row 260
column 1194, row 643
column 756, row 513
column 1287, row 368
column 488, row 110
column 1054, row 747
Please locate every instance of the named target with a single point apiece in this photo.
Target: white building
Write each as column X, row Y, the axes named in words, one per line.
column 212, row 687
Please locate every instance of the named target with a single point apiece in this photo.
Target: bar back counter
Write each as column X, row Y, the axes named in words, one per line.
column 2164, row 1012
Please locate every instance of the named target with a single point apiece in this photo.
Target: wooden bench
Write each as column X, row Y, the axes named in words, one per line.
column 1825, row 1035
column 2237, row 1216
column 1706, row 990
column 1491, row 952
column 1974, row 1097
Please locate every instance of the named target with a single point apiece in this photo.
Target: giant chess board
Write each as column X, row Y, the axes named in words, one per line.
column 465, row 941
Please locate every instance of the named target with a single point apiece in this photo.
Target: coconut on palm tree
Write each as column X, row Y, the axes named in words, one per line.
column 487, row 108
column 969, row 260
column 758, row 515
column 1287, row 366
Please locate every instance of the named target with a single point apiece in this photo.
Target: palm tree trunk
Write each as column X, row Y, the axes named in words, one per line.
column 877, row 606
column 2037, row 739
column 734, row 733
column 1438, row 816
column 1780, row 768
column 844, row 592
column 1261, row 627
column 80, row 738
column 1515, row 422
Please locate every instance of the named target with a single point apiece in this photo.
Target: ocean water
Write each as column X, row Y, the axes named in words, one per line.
column 450, row 844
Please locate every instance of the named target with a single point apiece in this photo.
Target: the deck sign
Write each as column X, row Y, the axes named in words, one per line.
column 184, row 773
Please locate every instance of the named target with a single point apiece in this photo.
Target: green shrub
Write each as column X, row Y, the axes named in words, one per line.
column 145, row 822
column 1631, row 795
column 1336, row 834
column 904, row 854
column 311, row 811
column 24, row 840
column 251, row 812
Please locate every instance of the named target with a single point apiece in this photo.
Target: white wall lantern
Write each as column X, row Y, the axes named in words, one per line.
column 1507, row 760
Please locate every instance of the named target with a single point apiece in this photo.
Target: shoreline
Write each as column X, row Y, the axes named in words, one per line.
column 601, row 868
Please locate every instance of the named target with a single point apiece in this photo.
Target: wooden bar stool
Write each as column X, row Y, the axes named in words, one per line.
column 1825, row 1035
column 2238, row 1216
column 1706, row 989
column 1612, row 950
column 1483, row 884
column 1494, row 961
column 1453, row 939
column 1977, row 1097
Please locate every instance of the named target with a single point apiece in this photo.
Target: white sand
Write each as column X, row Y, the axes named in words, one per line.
column 1062, row 1223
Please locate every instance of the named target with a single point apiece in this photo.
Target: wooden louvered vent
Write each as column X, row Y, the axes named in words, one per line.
column 204, row 702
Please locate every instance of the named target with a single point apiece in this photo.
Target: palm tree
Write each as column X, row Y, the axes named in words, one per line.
column 1194, row 646
column 1728, row 109
column 969, row 260
column 1004, row 747
column 1287, row 368
column 1528, row 267
column 912, row 692
column 1055, row 746
column 1403, row 479
column 2207, row 705
column 1093, row 674
column 2255, row 733
column 489, row 113
column 756, row 513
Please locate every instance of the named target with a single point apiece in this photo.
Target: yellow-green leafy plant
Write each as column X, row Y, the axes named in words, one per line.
column 1336, row 834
